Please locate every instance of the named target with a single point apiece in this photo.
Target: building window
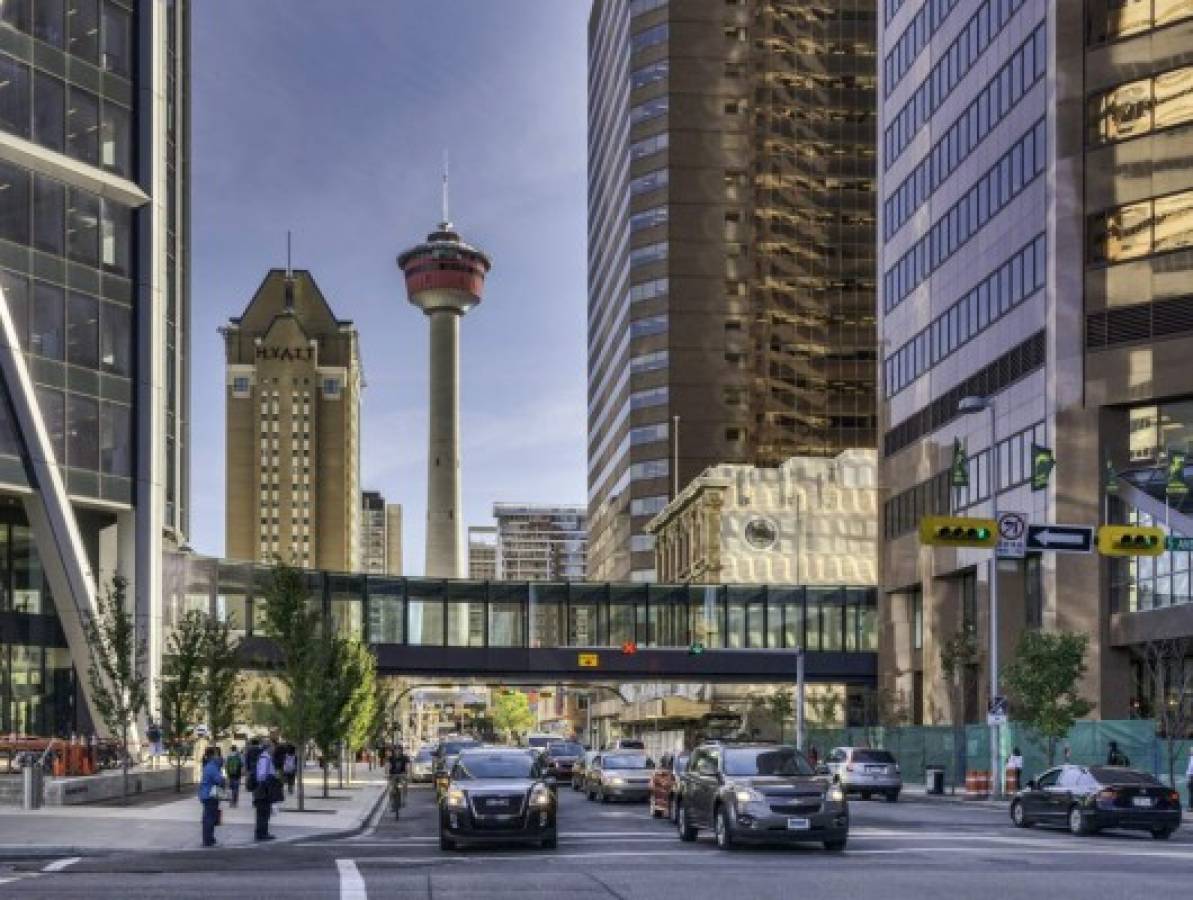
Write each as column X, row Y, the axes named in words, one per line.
column 645, row 147
column 648, row 506
column 649, row 109
column 651, row 181
column 650, row 37
column 1141, row 229
column 331, row 388
column 1109, row 20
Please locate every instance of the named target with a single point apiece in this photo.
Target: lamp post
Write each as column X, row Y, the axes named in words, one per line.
column 800, row 692
column 971, row 406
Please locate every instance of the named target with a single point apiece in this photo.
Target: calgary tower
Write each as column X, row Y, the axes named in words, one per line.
column 445, row 278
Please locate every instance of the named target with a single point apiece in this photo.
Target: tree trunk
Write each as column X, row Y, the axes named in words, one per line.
column 125, row 761
column 325, row 776
column 177, row 770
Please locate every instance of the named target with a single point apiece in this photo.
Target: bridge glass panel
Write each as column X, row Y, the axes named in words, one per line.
column 466, row 613
column 507, row 608
column 861, row 621
column 706, row 614
column 232, row 596
column 424, row 613
column 548, row 614
column 784, row 618
column 623, row 600
column 585, row 602
column 346, row 605
column 668, row 615
column 832, row 618
column 747, row 616
column 387, row 610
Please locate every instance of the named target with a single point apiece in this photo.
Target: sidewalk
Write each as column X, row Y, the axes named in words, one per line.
column 168, row 821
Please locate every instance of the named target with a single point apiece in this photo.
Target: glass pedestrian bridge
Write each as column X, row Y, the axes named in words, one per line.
column 421, row 626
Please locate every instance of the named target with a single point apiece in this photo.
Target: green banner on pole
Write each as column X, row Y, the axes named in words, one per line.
column 1111, row 482
column 1042, row 464
column 1176, row 486
column 959, row 477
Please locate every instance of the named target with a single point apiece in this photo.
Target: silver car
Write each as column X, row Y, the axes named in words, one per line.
column 861, row 770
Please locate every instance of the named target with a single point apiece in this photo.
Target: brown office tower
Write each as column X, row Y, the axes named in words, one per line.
column 731, row 248
column 293, row 395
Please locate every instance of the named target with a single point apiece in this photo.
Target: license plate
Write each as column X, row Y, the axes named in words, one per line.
column 798, row 824
column 874, row 770
column 496, row 804
column 1142, row 801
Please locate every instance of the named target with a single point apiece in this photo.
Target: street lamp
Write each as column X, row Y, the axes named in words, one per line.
column 800, row 694
column 971, row 406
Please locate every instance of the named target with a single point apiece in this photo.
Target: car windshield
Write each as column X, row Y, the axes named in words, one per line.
column 631, row 745
column 1106, row 775
column 777, row 761
column 625, row 761
column 564, row 749
column 423, row 756
column 540, row 741
column 494, row 765
column 873, row 756
column 452, row 748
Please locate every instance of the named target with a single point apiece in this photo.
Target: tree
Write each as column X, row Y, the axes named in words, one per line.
column 512, row 714
column 331, row 696
column 223, row 683
column 825, row 707
column 360, row 713
column 116, row 673
column 181, row 686
column 1041, row 682
column 296, row 626
column 958, row 659
column 1168, row 671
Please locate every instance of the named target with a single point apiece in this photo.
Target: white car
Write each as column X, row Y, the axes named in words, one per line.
column 860, row 770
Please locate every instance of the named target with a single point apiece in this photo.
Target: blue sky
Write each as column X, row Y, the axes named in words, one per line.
column 330, row 119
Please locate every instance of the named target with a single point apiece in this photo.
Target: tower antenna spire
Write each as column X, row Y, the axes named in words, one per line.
column 446, row 219
column 289, row 267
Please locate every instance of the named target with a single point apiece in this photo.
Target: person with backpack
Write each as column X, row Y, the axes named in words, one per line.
column 153, row 733
column 266, row 792
column 234, row 769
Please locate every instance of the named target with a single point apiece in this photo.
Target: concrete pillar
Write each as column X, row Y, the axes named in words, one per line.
column 445, row 558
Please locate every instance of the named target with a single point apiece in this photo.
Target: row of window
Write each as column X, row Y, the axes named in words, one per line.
column 651, row 181
column 651, row 253
column 648, row 506
column 638, row 7
column 85, row 433
column 648, row 362
column 1110, row 20
column 649, row 218
column 67, row 221
column 77, row 328
column 648, row 325
column 996, row 295
column 649, row 434
column 1018, row 362
column 649, row 74
column 889, row 9
column 997, row 187
column 648, row 290
column 915, row 37
column 645, row 147
column 650, row 468
column 649, row 397
column 39, row 107
column 99, row 32
column 953, row 65
column 649, row 109
column 992, row 104
column 649, row 37
column 1140, row 107
column 1141, row 229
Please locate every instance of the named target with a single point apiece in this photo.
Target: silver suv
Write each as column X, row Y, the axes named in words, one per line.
column 860, row 770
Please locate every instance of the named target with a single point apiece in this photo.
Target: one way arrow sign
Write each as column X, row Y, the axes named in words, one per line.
column 1060, row 538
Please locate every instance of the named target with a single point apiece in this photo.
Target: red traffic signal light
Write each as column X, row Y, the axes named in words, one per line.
column 629, row 648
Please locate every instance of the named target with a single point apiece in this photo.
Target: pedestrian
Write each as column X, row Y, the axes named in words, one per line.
column 234, row 769
column 209, row 793
column 290, row 768
column 813, row 756
column 1014, row 770
column 1189, row 779
column 154, row 734
column 265, row 794
column 1068, row 754
column 1116, row 757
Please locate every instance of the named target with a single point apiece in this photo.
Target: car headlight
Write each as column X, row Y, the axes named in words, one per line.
column 540, row 796
column 615, row 779
column 747, row 795
column 456, row 798
column 835, row 794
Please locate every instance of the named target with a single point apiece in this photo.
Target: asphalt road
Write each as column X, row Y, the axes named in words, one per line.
column 910, row 849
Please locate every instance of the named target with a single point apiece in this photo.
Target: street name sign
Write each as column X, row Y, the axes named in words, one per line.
column 589, row 660
column 1176, row 543
column 1060, row 538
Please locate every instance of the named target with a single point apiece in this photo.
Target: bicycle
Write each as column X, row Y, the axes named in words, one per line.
column 398, row 786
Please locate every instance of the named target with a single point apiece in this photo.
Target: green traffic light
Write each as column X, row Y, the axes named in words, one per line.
column 695, row 649
column 983, row 533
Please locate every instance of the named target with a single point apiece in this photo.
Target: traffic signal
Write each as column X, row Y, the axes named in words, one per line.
column 695, row 649
column 629, row 648
column 1130, row 540
column 955, row 531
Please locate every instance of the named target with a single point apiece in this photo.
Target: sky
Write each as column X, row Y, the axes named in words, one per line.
column 331, row 120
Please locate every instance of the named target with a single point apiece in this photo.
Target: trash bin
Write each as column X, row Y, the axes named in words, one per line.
column 934, row 779
column 32, row 776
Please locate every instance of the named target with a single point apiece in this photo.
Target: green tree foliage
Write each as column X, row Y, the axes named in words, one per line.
column 1042, row 681
column 512, row 714
column 181, row 689
column 116, row 674
column 223, row 684
column 1168, row 681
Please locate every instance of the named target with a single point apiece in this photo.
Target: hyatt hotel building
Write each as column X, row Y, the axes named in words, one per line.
column 1035, row 219
column 731, row 248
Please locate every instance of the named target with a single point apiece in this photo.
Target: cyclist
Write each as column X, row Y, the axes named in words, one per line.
column 399, row 764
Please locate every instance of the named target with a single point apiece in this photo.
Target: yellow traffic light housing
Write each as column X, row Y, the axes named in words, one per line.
column 957, row 531
column 1130, row 540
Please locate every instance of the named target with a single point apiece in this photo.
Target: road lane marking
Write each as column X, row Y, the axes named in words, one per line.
column 59, row 864
column 352, row 885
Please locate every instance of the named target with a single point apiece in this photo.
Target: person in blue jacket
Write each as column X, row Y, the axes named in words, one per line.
column 212, row 779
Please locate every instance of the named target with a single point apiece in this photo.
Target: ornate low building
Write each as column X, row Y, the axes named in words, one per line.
column 812, row 520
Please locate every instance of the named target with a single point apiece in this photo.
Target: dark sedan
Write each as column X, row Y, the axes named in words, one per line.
column 497, row 795
column 1088, row 799
column 560, row 759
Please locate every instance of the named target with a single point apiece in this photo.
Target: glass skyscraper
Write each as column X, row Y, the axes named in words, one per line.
column 94, row 268
column 731, row 248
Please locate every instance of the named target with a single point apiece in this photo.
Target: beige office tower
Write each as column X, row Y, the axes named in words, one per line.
column 380, row 535
column 482, row 553
column 293, row 445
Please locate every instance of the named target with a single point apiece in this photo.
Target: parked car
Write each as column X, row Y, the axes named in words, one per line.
column 860, row 770
column 422, row 767
column 664, row 783
column 497, row 794
column 580, row 769
column 618, row 775
column 760, row 792
column 1088, row 799
column 560, row 758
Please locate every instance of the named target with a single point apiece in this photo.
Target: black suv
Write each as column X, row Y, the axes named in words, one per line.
column 497, row 794
column 760, row 792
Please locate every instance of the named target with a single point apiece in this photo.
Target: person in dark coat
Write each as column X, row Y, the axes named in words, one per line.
column 212, row 780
